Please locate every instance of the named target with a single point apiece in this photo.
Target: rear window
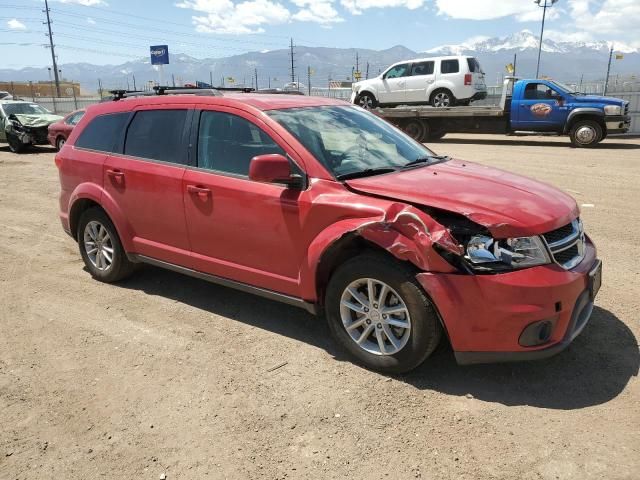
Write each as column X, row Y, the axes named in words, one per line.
column 449, row 66
column 422, row 68
column 474, row 66
column 103, row 132
column 157, row 135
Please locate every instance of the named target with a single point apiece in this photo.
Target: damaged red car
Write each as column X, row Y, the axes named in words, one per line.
column 323, row 205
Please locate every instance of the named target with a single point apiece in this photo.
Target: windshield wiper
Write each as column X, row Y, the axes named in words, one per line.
column 366, row 173
column 431, row 159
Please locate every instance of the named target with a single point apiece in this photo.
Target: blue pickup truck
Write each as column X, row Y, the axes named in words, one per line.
column 527, row 106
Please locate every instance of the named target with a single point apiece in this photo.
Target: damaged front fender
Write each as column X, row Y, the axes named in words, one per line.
column 402, row 230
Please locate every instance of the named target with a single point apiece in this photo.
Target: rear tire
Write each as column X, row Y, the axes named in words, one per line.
column 442, row 98
column 585, row 133
column 415, row 128
column 60, row 141
column 411, row 318
column 434, row 136
column 100, row 247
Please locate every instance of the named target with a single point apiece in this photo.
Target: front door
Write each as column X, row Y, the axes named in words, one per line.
column 240, row 229
column 541, row 108
column 394, row 83
column 145, row 181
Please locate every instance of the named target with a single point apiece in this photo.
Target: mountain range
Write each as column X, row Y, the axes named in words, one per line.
column 566, row 61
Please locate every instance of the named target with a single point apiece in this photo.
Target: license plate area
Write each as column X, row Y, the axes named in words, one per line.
column 595, row 279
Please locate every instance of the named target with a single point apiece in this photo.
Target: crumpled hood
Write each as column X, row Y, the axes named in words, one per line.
column 509, row 205
column 36, row 121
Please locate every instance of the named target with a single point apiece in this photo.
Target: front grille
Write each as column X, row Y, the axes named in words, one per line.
column 566, row 244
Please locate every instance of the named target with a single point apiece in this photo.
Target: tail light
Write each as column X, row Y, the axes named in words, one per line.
column 467, row 79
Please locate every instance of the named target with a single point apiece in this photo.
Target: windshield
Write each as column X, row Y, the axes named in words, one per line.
column 349, row 140
column 24, row 109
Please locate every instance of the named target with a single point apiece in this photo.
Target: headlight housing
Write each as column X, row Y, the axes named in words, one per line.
column 612, row 110
column 488, row 254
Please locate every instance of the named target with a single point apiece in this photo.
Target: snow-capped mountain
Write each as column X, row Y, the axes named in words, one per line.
column 521, row 41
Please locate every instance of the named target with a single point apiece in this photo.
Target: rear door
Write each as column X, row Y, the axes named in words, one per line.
column 394, row 83
column 240, row 229
column 420, row 80
column 144, row 179
column 541, row 108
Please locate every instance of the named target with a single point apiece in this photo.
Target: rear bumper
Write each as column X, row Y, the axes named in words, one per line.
column 479, row 95
column 486, row 315
column 617, row 123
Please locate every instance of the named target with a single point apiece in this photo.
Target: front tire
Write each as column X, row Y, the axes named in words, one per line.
column 585, row 133
column 367, row 101
column 15, row 145
column 60, row 141
column 100, row 247
column 378, row 313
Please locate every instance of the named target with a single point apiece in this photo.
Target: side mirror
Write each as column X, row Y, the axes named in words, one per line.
column 274, row 168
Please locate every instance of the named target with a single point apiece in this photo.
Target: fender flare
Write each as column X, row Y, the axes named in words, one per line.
column 581, row 111
column 91, row 191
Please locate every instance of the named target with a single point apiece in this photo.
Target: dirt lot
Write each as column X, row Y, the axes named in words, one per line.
column 164, row 374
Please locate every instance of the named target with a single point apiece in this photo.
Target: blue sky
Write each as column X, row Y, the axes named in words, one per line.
column 114, row 31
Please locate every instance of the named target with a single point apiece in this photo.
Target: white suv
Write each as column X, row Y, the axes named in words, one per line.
column 438, row 81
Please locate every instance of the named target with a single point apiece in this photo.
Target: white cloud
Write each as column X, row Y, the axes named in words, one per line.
column 223, row 16
column 15, row 24
column 318, row 11
column 609, row 17
column 91, row 21
column 523, row 10
column 85, row 3
column 356, row 7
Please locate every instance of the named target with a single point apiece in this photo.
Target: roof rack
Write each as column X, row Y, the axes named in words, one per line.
column 167, row 90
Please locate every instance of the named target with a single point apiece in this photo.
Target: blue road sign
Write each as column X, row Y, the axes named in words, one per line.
column 159, row 55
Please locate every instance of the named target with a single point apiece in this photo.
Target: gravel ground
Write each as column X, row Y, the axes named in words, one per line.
column 168, row 375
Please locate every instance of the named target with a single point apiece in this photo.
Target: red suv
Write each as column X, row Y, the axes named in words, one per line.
column 323, row 205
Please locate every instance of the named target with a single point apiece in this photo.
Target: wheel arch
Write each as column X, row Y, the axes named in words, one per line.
column 585, row 114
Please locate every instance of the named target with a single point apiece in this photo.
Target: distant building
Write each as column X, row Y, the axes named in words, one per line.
column 339, row 84
column 40, row 89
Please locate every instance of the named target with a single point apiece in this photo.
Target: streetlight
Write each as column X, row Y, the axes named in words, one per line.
column 544, row 4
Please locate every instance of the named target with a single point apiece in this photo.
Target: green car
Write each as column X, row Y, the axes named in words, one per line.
column 23, row 124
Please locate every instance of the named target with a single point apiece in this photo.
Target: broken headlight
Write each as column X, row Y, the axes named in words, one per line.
column 485, row 253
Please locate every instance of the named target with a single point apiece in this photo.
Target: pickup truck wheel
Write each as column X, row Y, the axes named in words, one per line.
column 437, row 135
column 15, row 145
column 442, row 98
column 585, row 133
column 378, row 313
column 367, row 101
column 415, row 129
column 100, row 247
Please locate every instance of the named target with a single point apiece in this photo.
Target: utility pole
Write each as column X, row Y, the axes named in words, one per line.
column 51, row 46
column 515, row 62
column 544, row 4
column 606, row 82
column 210, row 78
column 309, row 79
column 357, row 63
column 366, row 76
column 293, row 68
column 255, row 71
column 134, row 83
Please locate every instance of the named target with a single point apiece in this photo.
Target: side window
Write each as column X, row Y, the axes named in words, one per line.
column 76, row 118
column 157, row 135
column 449, row 66
column 422, row 68
column 539, row 91
column 227, row 143
column 103, row 132
column 398, row 71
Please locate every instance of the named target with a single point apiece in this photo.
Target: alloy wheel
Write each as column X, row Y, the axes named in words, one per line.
column 375, row 316
column 98, row 245
column 366, row 102
column 441, row 99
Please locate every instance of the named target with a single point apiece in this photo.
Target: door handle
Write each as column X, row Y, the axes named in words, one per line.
column 200, row 191
column 115, row 173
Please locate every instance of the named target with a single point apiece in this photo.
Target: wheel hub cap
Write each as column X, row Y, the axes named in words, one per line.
column 585, row 134
column 375, row 316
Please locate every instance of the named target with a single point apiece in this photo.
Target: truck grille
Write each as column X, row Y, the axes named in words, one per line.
column 566, row 244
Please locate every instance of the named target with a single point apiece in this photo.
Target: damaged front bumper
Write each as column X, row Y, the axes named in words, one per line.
column 489, row 317
column 30, row 136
